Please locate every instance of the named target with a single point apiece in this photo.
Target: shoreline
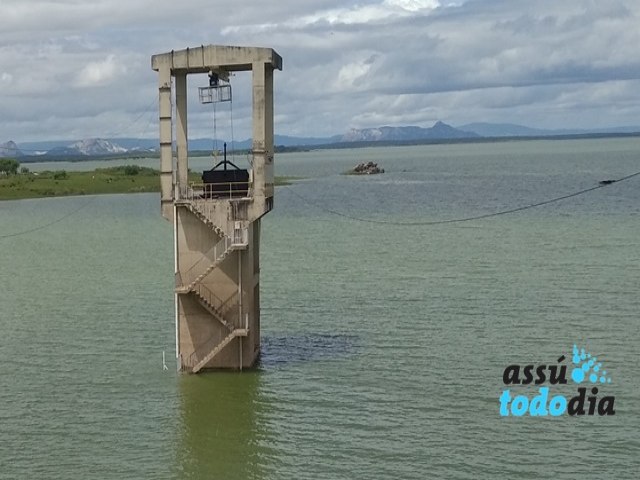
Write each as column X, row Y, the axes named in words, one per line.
column 101, row 181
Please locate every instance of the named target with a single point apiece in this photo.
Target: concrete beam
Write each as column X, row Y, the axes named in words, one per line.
column 204, row 58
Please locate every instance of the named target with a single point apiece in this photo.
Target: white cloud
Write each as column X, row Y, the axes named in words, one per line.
column 350, row 74
column 358, row 14
column 100, row 73
column 413, row 5
column 346, row 62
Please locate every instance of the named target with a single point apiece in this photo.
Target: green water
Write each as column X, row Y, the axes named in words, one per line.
column 383, row 346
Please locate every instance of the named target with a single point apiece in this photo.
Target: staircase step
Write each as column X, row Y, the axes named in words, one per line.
column 209, row 269
column 214, row 311
column 213, row 352
column 205, row 219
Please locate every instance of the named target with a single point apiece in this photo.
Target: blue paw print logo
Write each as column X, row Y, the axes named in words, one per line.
column 587, row 367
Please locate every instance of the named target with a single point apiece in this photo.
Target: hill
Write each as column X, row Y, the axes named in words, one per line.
column 439, row 130
column 387, row 135
column 10, row 149
column 514, row 130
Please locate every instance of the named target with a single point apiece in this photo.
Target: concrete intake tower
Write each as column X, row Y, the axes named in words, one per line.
column 216, row 221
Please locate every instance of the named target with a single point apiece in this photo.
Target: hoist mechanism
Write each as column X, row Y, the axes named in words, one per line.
column 219, row 89
column 225, row 178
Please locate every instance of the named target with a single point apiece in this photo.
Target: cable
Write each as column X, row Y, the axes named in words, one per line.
column 465, row 219
column 233, row 148
column 64, row 217
column 113, row 134
column 148, row 109
column 41, row 227
column 215, row 138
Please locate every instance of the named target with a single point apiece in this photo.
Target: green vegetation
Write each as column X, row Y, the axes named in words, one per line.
column 8, row 166
column 125, row 179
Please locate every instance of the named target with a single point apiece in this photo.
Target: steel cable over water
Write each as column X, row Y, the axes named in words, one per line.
column 41, row 227
column 381, row 222
column 464, row 219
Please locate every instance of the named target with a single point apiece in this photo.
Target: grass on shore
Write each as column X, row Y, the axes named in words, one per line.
column 124, row 179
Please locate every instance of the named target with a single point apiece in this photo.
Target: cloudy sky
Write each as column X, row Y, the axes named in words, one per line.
column 73, row 69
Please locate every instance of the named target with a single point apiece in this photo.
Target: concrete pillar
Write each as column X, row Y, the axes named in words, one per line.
column 268, row 130
column 262, row 130
column 181, row 129
column 166, row 143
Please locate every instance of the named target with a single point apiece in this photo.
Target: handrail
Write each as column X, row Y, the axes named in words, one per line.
column 193, row 193
column 238, row 212
column 204, row 349
column 212, row 255
column 207, row 209
column 221, row 306
column 203, row 191
column 229, row 303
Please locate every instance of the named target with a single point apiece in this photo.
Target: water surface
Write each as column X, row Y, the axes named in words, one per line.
column 383, row 345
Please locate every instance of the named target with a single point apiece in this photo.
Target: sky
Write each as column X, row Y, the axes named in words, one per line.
column 73, row 69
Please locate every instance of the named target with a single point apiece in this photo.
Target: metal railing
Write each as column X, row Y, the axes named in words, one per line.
column 204, row 191
column 208, row 209
column 200, row 352
column 214, row 341
column 206, row 348
column 219, row 305
column 214, row 254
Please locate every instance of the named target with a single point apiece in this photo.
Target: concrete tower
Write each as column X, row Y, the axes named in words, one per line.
column 217, row 225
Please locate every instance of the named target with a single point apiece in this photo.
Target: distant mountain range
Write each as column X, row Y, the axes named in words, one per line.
column 513, row 130
column 409, row 134
column 88, row 147
column 398, row 134
column 10, row 149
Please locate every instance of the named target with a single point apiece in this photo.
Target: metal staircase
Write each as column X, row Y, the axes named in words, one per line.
column 196, row 362
column 203, row 210
column 196, row 273
column 192, row 282
column 214, row 305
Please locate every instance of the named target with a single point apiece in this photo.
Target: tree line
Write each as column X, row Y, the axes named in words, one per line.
column 9, row 166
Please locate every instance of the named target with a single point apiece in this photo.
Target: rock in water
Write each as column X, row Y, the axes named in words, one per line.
column 368, row 168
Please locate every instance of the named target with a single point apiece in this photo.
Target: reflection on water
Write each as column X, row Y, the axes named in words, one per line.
column 223, row 418
column 222, row 427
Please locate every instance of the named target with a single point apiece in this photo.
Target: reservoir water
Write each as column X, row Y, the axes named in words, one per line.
column 384, row 345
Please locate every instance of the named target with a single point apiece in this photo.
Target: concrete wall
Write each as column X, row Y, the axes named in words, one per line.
column 196, row 326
